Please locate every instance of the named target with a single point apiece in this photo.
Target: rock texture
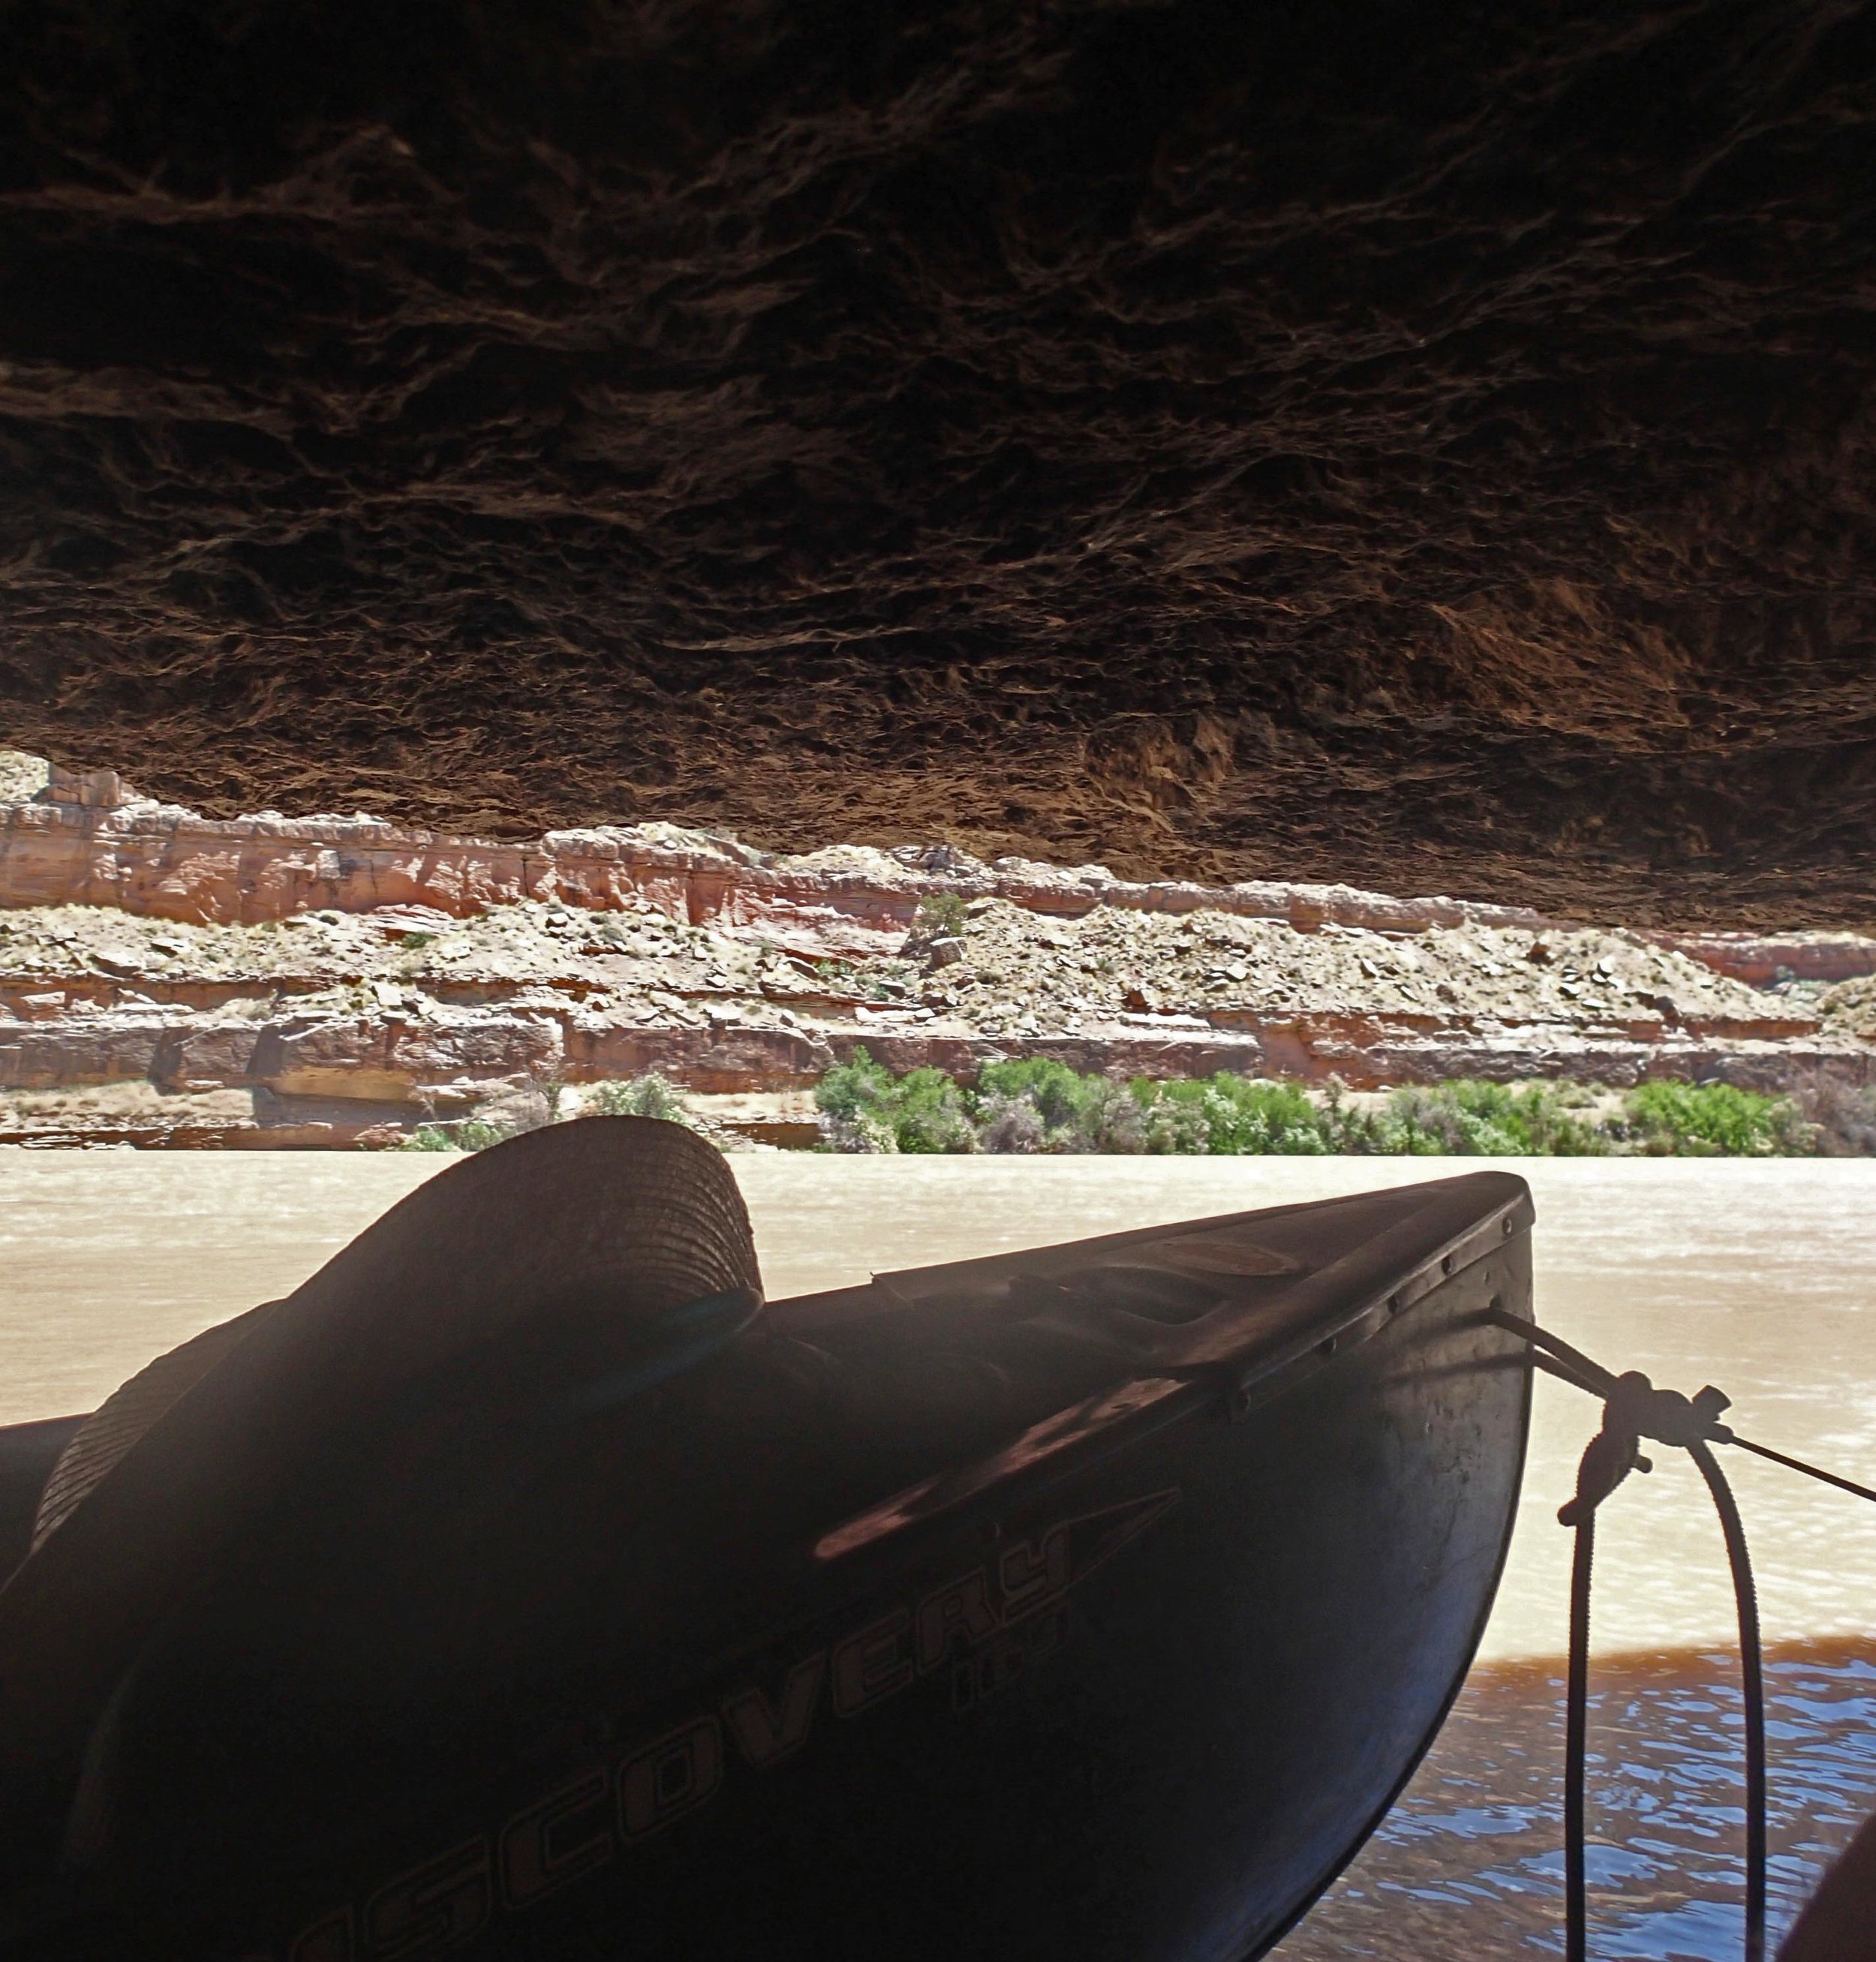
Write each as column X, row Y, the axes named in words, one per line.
column 1418, row 446
column 168, row 978
column 88, row 839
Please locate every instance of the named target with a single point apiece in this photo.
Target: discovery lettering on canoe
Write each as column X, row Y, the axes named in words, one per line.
column 986, row 1626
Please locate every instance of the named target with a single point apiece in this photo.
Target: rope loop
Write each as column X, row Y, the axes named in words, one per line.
column 1633, row 1409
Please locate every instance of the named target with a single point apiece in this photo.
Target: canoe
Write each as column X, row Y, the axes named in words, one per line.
column 1094, row 1601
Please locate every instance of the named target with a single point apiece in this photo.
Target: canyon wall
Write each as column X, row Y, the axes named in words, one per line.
column 264, row 980
column 90, row 840
column 93, row 842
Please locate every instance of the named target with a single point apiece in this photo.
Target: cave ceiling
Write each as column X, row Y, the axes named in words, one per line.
column 1428, row 446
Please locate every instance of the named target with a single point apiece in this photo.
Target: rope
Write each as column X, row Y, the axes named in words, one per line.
column 1810, row 1471
column 1576, row 1746
column 1633, row 1409
column 1752, row 1672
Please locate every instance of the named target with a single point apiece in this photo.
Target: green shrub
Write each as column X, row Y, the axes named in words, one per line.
column 1715, row 1120
column 865, row 1104
column 864, row 1131
column 1233, row 1116
column 1468, row 1119
column 1553, row 1122
column 1059, row 1095
column 851, row 1087
column 1424, row 1122
column 927, row 1114
column 1111, row 1119
column 1175, row 1126
column 1039, row 1105
column 470, row 1134
column 939, row 915
column 1011, row 1124
column 650, row 1095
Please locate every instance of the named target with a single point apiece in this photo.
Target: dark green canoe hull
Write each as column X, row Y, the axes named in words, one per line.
column 1092, row 1603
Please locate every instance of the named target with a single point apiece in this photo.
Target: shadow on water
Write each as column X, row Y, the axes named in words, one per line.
column 1470, row 1862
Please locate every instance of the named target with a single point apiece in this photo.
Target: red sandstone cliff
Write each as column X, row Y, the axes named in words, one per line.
column 275, row 980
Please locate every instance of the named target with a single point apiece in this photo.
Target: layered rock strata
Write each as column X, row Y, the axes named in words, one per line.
column 166, row 978
column 337, row 1028
column 70, row 838
column 88, row 840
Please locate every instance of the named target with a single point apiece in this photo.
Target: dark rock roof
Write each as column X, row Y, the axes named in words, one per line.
column 1425, row 444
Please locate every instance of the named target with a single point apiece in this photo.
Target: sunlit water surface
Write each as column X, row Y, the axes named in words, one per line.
column 1756, row 1276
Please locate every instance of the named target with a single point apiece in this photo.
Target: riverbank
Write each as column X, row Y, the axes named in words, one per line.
column 1044, row 1108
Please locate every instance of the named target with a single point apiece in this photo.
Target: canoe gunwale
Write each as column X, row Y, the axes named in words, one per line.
column 1379, row 1300
column 1148, row 1400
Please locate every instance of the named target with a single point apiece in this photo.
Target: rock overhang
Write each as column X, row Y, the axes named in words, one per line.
column 1377, row 444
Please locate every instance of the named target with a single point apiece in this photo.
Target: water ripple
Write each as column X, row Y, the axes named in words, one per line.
column 1470, row 1861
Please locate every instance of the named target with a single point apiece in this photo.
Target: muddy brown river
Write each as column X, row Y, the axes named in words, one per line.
column 1758, row 1276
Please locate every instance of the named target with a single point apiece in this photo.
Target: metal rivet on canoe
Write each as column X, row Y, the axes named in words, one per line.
column 1395, row 1304
column 1508, row 1222
column 1327, row 1347
column 1446, row 1263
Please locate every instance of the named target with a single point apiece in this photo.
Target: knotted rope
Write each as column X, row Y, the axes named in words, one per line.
column 1633, row 1409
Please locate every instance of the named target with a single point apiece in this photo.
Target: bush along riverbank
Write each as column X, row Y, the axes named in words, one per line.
column 1036, row 1106
column 1039, row 1107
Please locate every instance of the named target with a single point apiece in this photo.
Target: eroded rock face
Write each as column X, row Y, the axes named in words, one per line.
column 342, row 1029
column 169, row 978
column 1422, row 448
column 88, row 839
